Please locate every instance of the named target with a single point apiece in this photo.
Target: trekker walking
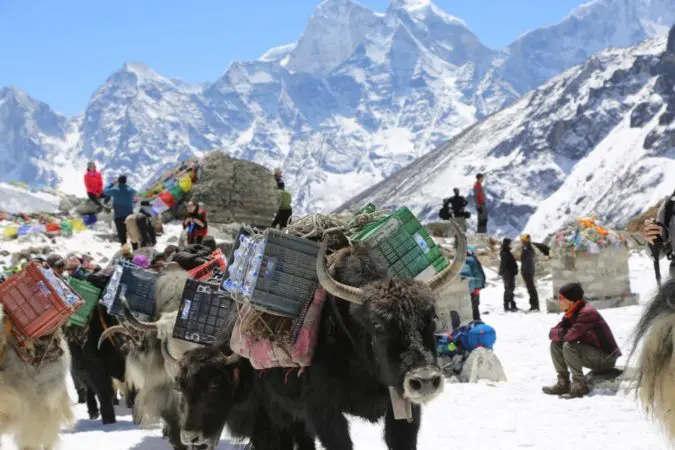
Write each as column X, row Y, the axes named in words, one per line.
column 481, row 204
column 473, row 271
column 581, row 339
column 285, row 210
column 93, row 182
column 508, row 269
column 195, row 223
column 660, row 234
column 527, row 269
column 123, row 204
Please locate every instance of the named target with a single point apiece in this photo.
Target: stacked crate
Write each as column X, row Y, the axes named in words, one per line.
column 404, row 246
column 273, row 272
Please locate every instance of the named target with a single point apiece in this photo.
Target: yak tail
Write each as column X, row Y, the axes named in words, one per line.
column 655, row 369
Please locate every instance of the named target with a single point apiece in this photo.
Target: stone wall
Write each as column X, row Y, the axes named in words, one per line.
column 605, row 278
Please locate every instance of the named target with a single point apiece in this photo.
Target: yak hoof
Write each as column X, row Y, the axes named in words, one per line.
column 116, row 401
column 108, row 420
column 93, row 415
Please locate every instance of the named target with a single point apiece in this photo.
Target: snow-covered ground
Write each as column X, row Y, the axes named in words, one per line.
column 14, row 199
column 511, row 415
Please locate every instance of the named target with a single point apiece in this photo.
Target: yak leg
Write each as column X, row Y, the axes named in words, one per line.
column 172, row 429
column 102, row 384
column 92, row 405
column 304, row 440
column 331, row 428
column 401, row 434
column 268, row 436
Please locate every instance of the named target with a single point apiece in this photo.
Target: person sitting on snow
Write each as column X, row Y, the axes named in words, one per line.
column 581, row 339
column 93, row 182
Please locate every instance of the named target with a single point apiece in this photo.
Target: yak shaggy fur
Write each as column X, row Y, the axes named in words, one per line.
column 655, row 368
column 34, row 402
column 361, row 350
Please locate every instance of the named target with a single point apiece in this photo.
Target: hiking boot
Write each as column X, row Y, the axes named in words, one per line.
column 534, row 308
column 560, row 388
column 579, row 388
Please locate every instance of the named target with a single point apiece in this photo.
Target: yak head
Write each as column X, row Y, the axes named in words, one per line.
column 395, row 317
column 209, row 383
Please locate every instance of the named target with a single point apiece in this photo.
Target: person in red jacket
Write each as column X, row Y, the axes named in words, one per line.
column 481, row 204
column 93, row 181
column 581, row 339
column 195, row 223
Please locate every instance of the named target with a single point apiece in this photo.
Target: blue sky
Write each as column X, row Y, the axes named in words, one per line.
column 60, row 51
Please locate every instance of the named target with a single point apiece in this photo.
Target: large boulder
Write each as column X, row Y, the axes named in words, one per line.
column 236, row 191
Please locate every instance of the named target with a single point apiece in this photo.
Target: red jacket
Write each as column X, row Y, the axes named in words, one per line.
column 480, row 195
column 93, row 182
column 587, row 327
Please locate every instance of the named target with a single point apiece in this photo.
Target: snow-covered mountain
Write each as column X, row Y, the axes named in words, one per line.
column 357, row 97
column 596, row 140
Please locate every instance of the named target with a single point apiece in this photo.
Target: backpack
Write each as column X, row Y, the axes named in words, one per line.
column 475, row 334
column 444, row 213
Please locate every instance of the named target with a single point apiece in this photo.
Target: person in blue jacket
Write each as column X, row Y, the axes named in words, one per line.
column 473, row 271
column 123, row 204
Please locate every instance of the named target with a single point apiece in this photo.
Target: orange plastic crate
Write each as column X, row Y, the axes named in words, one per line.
column 203, row 272
column 33, row 304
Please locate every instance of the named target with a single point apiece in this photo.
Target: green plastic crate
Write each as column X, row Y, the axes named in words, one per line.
column 404, row 245
column 90, row 295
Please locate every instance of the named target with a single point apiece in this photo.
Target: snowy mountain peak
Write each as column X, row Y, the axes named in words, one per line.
column 334, row 31
column 409, row 4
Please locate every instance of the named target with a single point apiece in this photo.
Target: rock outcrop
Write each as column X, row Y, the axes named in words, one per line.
column 236, row 191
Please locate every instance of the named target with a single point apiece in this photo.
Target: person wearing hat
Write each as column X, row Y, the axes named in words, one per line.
column 581, row 339
column 508, row 269
column 527, row 269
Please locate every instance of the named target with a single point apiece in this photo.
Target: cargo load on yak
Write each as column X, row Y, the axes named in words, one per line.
column 37, row 303
column 272, row 277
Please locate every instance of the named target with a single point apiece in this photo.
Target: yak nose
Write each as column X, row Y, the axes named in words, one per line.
column 423, row 384
column 191, row 437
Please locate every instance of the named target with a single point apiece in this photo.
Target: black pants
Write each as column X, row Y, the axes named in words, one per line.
column 121, row 230
column 509, row 288
column 482, row 218
column 97, row 199
column 475, row 303
column 282, row 217
column 528, row 278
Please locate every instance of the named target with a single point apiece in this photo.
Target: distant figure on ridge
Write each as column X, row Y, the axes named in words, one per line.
column 481, row 204
column 123, row 204
column 285, row 210
column 278, row 178
column 93, row 182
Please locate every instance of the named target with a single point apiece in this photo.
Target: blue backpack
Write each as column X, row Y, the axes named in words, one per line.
column 475, row 334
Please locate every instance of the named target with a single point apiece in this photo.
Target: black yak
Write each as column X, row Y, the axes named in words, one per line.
column 375, row 357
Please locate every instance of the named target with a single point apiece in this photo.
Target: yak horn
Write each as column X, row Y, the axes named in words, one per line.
column 349, row 293
column 109, row 332
column 134, row 322
column 449, row 273
column 166, row 353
